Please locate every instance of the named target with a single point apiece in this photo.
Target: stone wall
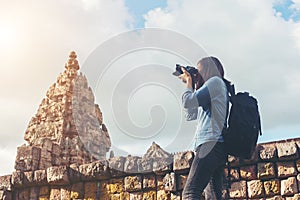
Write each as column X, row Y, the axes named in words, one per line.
column 272, row 173
column 65, row 158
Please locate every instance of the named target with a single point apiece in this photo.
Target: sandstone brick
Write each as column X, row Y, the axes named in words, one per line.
column 133, row 183
column 289, row 186
column 95, row 170
column 238, row 190
column 295, row 197
column 17, row 178
column 44, row 192
column 34, row 193
column 272, row 187
column 5, row 182
column 116, row 165
column 298, row 165
column 267, row 151
column 65, row 192
column 234, row 174
column 265, row 170
column 163, row 195
column 181, row 181
column 162, row 165
column 6, row 195
column 77, row 191
column 255, row 189
column 149, row 195
column 57, row 175
column 277, row 197
column 28, row 178
column 40, row 176
column 136, row 196
column 170, row 182
column 55, row 193
column 287, row 150
column 149, row 181
column 131, row 165
column 116, row 186
column 90, row 190
column 286, row 169
column 145, row 165
column 27, row 158
column 24, row 194
column 183, row 161
column 248, row 172
column 160, row 182
column 175, row 196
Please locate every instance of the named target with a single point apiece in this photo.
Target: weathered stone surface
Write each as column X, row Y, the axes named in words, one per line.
column 183, row 161
column 77, row 191
column 234, row 174
column 181, row 181
column 163, row 195
column 286, row 150
column 116, row 166
column 24, row 194
column 94, row 170
column 267, row 151
column 54, row 193
column 116, row 186
column 160, row 182
column 44, row 192
column 145, row 165
column 150, row 195
column 28, row 178
column 298, row 165
column 136, row 196
column 276, row 198
column 238, row 190
column 272, row 187
column 34, row 193
column 5, row 182
column 65, row 192
column 149, row 181
column 131, row 165
column 170, row 182
column 265, row 170
column 91, row 190
column 255, row 189
column 57, row 175
column 175, row 196
column 17, row 178
column 286, row 169
column 248, row 172
column 27, row 158
column 289, row 186
column 295, row 197
column 40, row 176
column 133, row 183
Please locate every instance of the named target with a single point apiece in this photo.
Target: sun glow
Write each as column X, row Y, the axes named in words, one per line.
column 7, row 36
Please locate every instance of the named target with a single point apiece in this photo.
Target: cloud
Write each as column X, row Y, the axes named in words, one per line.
column 258, row 49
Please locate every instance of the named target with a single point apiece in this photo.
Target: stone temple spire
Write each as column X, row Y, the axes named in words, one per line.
column 68, row 126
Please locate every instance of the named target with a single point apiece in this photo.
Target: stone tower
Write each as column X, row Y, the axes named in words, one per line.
column 68, row 126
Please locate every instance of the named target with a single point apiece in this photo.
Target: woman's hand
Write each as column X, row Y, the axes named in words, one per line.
column 186, row 78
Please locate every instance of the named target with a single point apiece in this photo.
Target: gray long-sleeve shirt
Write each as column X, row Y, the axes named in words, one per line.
column 209, row 105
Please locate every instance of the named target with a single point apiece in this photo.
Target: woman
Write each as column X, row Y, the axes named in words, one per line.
column 209, row 105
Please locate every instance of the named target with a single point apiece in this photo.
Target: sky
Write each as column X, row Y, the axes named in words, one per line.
column 258, row 43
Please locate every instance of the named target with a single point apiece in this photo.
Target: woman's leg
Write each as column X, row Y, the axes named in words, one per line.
column 207, row 159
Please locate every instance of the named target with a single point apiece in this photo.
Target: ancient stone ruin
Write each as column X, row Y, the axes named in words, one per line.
column 67, row 143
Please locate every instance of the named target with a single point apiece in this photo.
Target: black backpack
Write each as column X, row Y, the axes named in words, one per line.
column 240, row 137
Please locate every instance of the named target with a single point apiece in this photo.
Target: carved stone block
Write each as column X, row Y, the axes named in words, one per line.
column 286, row 169
column 163, row 195
column 57, row 175
column 289, row 186
column 149, row 195
column 145, row 165
column 133, row 183
column 130, row 165
column 238, row 190
column 170, row 182
column 248, row 172
column 287, row 150
column 5, row 182
column 267, row 151
column 183, row 160
column 77, row 191
column 181, row 181
column 98, row 170
column 149, row 181
column 266, row 170
column 116, row 186
column 272, row 187
column 17, row 178
column 255, row 189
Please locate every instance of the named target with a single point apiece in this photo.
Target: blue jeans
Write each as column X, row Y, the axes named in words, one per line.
column 207, row 167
